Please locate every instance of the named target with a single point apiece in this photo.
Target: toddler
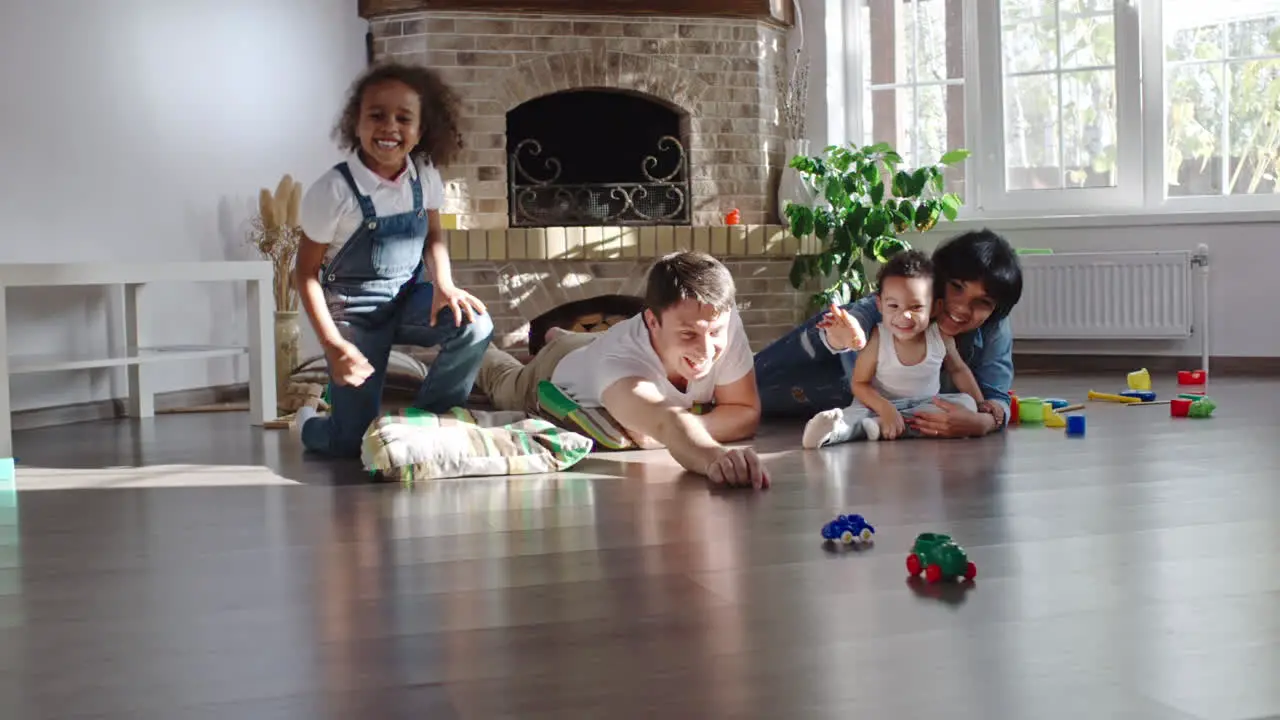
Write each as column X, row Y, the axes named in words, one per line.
column 373, row 267
column 898, row 369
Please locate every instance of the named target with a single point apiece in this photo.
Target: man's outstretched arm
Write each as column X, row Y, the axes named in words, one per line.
column 640, row 407
column 736, row 415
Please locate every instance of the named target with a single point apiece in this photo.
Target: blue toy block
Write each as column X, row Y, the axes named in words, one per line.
column 1056, row 403
column 1143, row 395
column 1075, row 426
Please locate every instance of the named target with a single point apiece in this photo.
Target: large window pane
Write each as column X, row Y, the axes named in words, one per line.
column 1089, row 128
column 1032, row 133
column 1061, row 123
column 1222, row 97
column 1088, row 41
column 1254, row 121
column 1194, row 98
column 1031, row 46
column 913, row 59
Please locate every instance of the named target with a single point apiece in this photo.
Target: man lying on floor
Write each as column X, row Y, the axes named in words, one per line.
column 687, row 348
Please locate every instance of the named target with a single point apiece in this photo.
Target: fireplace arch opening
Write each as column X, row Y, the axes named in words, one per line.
column 597, row 157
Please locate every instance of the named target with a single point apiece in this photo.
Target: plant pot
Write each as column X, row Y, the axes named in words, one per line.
column 791, row 186
column 288, row 338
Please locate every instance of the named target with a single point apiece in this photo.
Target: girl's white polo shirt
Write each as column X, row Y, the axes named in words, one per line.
column 330, row 212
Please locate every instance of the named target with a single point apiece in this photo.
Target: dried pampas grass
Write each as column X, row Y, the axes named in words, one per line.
column 276, row 234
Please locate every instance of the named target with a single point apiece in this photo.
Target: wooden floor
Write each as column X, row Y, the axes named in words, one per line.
column 1133, row 573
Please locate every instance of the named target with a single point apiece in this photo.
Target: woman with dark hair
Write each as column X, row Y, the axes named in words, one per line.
column 977, row 279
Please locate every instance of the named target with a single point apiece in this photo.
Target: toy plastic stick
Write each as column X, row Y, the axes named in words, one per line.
column 1153, row 402
column 1112, row 397
column 1071, row 408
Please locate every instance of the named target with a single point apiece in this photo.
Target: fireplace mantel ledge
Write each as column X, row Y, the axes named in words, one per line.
column 625, row 243
column 775, row 11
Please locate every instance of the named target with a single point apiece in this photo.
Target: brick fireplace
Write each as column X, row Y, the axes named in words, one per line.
column 717, row 79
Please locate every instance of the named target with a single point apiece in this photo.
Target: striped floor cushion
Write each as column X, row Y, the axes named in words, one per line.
column 412, row 445
column 595, row 423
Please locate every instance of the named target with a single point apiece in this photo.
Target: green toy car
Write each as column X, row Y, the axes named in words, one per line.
column 939, row 556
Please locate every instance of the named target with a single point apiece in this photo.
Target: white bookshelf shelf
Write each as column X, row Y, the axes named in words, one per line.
column 141, row 353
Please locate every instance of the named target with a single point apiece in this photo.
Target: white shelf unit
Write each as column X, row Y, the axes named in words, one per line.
column 139, row 352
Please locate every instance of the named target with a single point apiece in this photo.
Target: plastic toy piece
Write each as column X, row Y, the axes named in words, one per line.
column 1031, row 410
column 1056, row 403
column 939, row 557
column 1014, row 412
column 847, row 528
column 1201, row 408
column 1112, row 397
column 1191, row 395
column 733, row 217
column 1179, row 407
column 1140, row 380
column 1145, row 396
column 1075, row 426
column 1192, row 377
column 1054, row 420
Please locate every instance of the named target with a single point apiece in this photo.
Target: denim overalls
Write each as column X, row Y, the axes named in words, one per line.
column 378, row 297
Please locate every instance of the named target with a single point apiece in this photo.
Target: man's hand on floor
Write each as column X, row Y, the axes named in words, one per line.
column 738, row 467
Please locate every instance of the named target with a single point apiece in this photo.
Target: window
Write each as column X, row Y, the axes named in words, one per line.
column 1222, row 94
column 914, row 62
column 1078, row 127
column 1058, row 67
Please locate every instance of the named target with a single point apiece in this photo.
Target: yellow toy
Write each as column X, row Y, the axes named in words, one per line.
column 1140, row 380
column 1054, row 420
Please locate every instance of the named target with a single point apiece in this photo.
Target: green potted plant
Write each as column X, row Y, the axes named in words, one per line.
column 867, row 202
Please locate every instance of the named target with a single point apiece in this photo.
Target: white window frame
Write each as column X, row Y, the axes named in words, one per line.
column 1140, row 182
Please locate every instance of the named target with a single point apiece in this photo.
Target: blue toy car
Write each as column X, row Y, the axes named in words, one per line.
column 847, row 528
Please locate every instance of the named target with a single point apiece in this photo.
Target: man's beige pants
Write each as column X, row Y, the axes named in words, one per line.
column 511, row 385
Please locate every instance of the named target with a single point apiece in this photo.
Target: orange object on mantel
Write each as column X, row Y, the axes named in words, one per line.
column 733, row 217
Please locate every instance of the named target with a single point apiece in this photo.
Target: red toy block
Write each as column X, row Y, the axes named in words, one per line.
column 1179, row 407
column 1192, row 377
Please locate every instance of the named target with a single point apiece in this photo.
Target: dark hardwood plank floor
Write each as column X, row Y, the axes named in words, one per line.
column 192, row 567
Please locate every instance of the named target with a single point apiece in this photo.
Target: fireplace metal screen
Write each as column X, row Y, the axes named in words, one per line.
column 655, row 199
column 597, row 157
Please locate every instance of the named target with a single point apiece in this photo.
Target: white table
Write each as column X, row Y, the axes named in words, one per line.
column 138, row 353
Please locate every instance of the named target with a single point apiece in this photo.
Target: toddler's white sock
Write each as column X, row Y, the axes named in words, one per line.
column 871, row 427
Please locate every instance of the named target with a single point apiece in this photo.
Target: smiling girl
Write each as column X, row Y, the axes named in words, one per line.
column 373, row 267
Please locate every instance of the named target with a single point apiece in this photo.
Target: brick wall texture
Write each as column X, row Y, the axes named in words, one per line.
column 719, row 73
column 518, row 291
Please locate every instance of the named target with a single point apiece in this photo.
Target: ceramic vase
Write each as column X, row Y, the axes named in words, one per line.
column 288, row 337
column 791, row 186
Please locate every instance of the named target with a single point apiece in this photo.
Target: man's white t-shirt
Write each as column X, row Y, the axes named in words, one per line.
column 624, row 350
column 330, row 212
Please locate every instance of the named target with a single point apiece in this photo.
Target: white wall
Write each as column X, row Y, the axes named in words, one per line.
column 143, row 129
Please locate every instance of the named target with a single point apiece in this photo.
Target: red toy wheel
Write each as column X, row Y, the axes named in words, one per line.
column 913, row 564
column 970, row 571
column 933, row 573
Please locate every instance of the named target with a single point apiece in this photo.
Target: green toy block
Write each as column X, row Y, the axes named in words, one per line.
column 1201, row 408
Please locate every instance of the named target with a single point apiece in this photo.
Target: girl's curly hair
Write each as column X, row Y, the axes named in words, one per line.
column 439, row 115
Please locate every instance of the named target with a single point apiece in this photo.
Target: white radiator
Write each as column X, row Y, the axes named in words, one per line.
column 1141, row 295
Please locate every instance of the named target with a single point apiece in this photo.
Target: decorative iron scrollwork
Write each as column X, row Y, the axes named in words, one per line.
column 543, row 202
